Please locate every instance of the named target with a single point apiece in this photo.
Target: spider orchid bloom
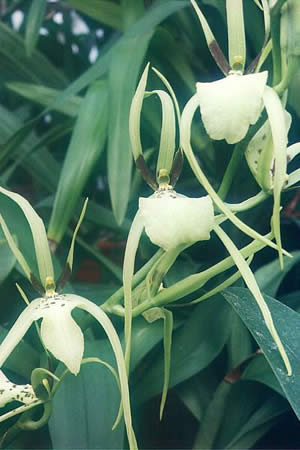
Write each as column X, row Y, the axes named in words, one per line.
column 10, row 392
column 230, row 105
column 59, row 332
column 171, row 219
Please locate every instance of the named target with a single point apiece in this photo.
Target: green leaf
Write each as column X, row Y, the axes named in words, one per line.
column 259, row 370
column 44, row 96
column 7, row 259
column 287, row 323
column 85, row 148
column 37, row 69
column 124, row 70
column 194, row 346
column 270, row 276
column 158, row 12
column 33, row 24
column 103, row 11
column 85, row 406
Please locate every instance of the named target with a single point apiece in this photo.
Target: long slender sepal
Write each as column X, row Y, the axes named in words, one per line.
column 39, row 235
column 135, row 115
column 236, row 34
column 212, row 44
column 128, row 270
column 185, row 135
column 71, row 251
column 276, row 116
column 17, row 331
column 254, row 289
column 294, row 178
column 16, row 251
column 170, row 89
column 109, row 329
column 19, row 410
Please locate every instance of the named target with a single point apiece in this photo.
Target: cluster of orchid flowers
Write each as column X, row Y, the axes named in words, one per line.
column 172, row 221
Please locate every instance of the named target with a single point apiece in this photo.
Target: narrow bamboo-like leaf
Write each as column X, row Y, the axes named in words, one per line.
column 185, row 136
column 17, row 253
column 124, row 69
column 287, row 322
column 146, row 24
column 254, row 289
column 104, row 11
column 85, row 147
column 212, row 44
column 128, row 270
column 37, row 69
column 236, row 34
column 152, row 315
column 279, row 135
column 41, row 246
column 135, row 115
column 45, row 96
column 34, row 21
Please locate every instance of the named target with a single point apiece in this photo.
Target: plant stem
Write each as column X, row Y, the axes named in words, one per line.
column 275, row 35
column 290, row 72
column 194, row 282
column 231, row 169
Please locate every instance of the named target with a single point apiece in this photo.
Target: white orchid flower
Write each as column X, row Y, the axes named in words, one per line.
column 59, row 332
column 229, row 106
column 10, row 392
column 171, row 219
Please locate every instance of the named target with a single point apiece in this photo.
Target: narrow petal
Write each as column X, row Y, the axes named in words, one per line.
column 171, row 220
column 60, row 333
column 229, row 106
column 18, row 330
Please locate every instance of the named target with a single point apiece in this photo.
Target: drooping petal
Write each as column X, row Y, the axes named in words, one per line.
column 60, row 333
column 229, row 106
column 171, row 219
column 10, row 392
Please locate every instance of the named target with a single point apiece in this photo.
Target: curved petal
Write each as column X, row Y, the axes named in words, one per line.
column 18, row 330
column 229, row 106
column 171, row 220
column 60, row 333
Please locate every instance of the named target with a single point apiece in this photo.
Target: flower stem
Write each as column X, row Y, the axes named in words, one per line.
column 290, row 72
column 231, row 169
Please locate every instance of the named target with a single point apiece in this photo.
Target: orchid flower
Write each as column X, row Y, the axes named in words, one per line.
column 10, row 392
column 230, row 105
column 173, row 221
column 59, row 332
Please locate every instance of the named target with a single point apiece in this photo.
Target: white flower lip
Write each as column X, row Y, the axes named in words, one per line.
column 10, row 392
column 171, row 219
column 230, row 105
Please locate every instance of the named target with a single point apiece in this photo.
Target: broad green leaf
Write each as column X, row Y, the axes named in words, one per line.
column 123, row 73
column 259, row 370
column 104, row 11
column 37, row 69
column 34, row 21
column 45, row 96
column 253, row 410
column 85, row 148
column 85, row 406
column 194, row 346
column 287, row 323
column 270, row 276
